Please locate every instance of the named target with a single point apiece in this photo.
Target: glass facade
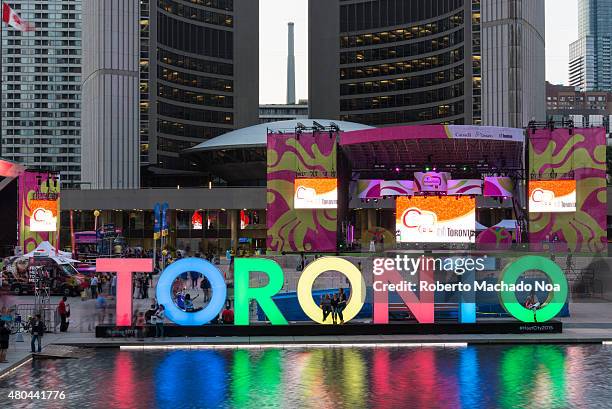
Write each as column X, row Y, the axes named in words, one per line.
column 41, row 88
column 193, row 82
column 403, row 61
column 591, row 54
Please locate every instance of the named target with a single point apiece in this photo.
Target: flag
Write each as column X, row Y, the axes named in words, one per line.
column 164, row 220
column 11, row 18
column 157, row 223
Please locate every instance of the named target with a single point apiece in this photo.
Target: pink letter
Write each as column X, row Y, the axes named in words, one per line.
column 124, row 267
column 423, row 308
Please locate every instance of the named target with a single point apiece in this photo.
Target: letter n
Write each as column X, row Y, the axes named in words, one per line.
column 421, row 307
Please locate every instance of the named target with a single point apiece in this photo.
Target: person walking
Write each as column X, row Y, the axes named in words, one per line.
column 63, row 310
column 37, row 330
column 159, row 317
column 5, row 334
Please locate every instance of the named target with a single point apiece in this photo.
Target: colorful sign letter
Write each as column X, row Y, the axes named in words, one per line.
column 124, row 269
column 318, row 267
column 217, row 285
column 262, row 295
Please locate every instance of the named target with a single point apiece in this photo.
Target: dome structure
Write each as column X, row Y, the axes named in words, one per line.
column 239, row 157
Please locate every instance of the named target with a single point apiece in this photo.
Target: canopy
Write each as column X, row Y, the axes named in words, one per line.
column 480, row 227
column 46, row 249
column 507, row 224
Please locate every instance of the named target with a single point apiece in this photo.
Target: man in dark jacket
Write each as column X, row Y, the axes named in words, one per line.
column 37, row 329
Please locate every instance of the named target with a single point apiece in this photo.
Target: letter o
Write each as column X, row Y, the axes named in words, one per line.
column 556, row 300
column 320, row 266
column 217, row 284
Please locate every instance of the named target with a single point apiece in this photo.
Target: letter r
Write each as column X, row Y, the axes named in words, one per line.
column 124, row 269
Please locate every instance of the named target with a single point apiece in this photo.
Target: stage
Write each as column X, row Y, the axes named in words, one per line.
column 311, row 329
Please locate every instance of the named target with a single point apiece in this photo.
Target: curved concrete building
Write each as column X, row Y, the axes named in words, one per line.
column 390, row 62
column 110, row 94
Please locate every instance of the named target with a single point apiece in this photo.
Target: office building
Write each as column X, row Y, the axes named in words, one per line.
column 586, row 109
column 41, row 88
column 198, row 78
column 590, row 67
column 390, row 62
column 203, row 81
column 283, row 112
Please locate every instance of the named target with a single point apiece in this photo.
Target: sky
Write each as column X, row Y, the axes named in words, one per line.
column 561, row 30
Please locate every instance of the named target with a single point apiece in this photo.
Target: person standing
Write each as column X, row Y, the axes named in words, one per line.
column 113, row 287
column 4, row 341
column 194, row 279
column 144, row 285
column 227, row 316
column 93, row 284
column 205, row 285
column 325, row 306
column 63, row 310
column 334, row 308
column 341, row 305
column 159, row 318
column 37, row 330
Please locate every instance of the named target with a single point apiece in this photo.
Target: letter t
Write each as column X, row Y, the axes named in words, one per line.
column 124, row 269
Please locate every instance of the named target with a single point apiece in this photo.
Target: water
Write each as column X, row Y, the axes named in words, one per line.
column 535, row 376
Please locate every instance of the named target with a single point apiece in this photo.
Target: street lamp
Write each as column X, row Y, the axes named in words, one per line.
column 96, row 215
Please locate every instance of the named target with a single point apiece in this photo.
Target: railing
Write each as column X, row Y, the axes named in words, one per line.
column 48, row 314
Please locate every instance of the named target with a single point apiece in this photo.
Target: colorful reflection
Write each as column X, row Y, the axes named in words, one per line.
column 541, row 376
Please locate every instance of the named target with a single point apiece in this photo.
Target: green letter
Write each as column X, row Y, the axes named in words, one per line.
column 262, row 295
column 556, row 299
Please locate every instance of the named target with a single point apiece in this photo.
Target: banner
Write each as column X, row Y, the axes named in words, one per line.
column 369, row 189
column 164, row 219
column 196, row 220
column 319, row 193
column 397, row 188
column 38, row 208
column 431, row 181
column 486, row 132
column 157, row 222
column 552, row 196
column 442, row 219
column 498, row 187
column 467, row 187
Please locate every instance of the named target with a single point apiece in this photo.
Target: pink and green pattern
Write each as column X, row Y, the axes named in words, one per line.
column 299, row 230
column 29, row 184
column 498, row 186
column 581, row 156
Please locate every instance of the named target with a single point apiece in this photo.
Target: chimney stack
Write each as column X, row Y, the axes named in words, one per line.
column 291, row 67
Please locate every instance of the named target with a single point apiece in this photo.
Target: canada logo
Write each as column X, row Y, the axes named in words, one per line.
column 414, row 218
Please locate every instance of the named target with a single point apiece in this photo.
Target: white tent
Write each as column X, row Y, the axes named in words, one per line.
column 480, row 227
column 508, row 224
column 45, row 249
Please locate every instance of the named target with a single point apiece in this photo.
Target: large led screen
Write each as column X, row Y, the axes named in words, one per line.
column 443, row 219
column 320, row 193
column 552, row 196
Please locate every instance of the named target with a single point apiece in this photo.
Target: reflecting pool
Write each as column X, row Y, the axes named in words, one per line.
column 539, row 376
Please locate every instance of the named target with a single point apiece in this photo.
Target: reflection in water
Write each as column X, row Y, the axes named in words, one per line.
column 541, row 376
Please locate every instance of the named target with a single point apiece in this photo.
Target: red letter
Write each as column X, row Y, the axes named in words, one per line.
column 124, row 267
